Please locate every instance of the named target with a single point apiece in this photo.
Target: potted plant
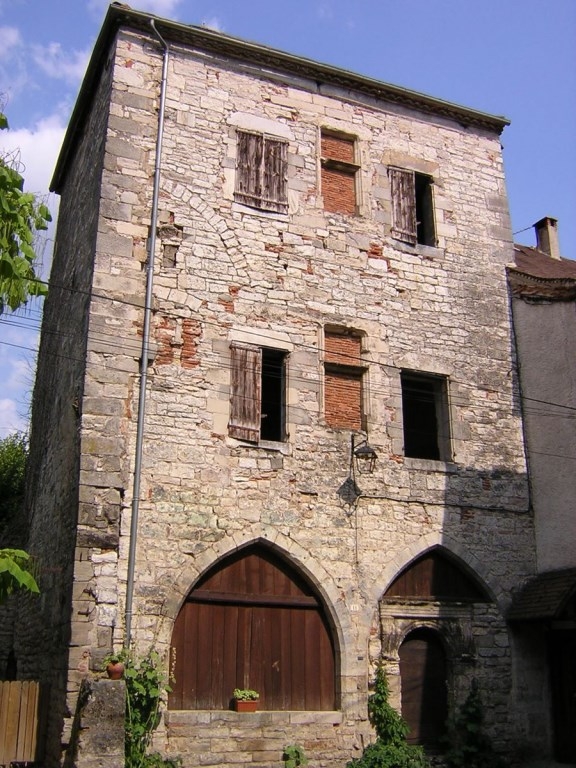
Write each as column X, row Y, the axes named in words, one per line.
column 245, row 700
column 113, row 663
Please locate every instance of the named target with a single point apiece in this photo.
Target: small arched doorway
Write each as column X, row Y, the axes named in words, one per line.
column 424, row 677
column 430, row 604
column 253, row 622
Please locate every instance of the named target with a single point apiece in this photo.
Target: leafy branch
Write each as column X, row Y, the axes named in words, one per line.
column 15, row 573
column 21, row 217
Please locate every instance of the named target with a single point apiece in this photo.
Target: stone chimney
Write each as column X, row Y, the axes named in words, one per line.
column 547, row 236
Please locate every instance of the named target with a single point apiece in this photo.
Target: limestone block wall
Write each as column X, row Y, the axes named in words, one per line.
column 227, row 272
column 45, row 642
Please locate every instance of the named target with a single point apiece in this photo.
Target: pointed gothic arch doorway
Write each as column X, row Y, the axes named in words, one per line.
column 253, row 622
column 439, row 593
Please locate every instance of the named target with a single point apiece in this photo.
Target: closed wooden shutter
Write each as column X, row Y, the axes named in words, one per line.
column 249, row 154
column 261, row 171
column 245, row 392
column 275, row 173
column 403, row 190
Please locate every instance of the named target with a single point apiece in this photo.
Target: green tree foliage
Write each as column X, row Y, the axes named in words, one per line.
column 21, row 217
column 390, row 749
column 13, row 455
column 15, row 573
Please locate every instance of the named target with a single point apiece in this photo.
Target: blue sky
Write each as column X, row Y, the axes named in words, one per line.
column 509, row 57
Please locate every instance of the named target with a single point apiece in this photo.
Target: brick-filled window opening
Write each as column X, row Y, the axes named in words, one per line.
column 262, row 171
column 412, row 207
column 258, row 393
column 426, row 418
column 338, row 173
column 343, row 381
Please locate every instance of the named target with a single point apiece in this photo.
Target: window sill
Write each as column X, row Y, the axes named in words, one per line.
column 431, row 465
column 426, row 251
column 263, row 213
column 199, row 717
column 267, row 445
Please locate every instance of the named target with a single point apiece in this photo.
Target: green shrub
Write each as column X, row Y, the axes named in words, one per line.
column 145, row 683
column 390, row 749
column 294, row 756
column 468, row 746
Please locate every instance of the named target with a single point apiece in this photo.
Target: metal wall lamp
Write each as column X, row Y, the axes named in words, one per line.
column 364, row 454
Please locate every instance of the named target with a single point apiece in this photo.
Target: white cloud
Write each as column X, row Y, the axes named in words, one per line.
column 18, row 342
column 10, row 38
column 10, row 421
column 38, row 148
column 164, row 8
column 52, row 60
column 213, row 23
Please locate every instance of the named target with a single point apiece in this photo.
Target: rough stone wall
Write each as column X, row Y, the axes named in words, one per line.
column 44, row 644
column 98, row 733
column 240, row 274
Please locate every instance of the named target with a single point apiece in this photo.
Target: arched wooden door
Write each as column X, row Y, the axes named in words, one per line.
column 253, row 622
column 423, row 675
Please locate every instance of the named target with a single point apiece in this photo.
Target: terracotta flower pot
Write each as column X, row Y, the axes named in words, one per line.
column 115, row 670
column 245, row 706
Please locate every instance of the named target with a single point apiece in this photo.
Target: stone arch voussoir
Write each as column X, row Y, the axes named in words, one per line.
column 302, row 561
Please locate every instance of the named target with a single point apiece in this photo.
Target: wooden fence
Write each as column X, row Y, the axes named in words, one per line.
column 19, row 712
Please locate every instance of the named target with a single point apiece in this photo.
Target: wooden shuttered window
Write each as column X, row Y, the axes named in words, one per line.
column 343, row 376
column 403, row 190
column 257, row 393
column 262, row 172
column 412, row 207
column 245, row 392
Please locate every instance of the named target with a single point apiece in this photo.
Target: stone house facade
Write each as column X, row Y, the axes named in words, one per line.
column 328, row 277
column 543, row 615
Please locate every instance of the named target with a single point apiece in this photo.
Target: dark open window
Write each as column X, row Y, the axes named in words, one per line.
column 261, row 171
column 258, row 393
column 425, row 416
column 343, row 376
column 253, row 622
column 338, row 174
column 412, row 207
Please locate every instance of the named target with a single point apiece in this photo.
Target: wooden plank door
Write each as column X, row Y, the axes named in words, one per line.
column 423, row 674
column 253, row 622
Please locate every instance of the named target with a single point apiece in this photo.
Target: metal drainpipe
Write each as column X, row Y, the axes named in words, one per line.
column 145, row 348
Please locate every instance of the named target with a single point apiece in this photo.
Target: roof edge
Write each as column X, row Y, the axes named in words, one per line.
column 243, row 50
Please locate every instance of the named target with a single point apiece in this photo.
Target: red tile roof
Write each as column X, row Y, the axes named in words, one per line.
column 535, row 275
column 536, row 263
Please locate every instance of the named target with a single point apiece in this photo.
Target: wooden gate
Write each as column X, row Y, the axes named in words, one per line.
column 19, row 708
column 253, row 622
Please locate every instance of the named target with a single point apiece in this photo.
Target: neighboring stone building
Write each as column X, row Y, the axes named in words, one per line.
column 329, row 267
column 543, row 297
